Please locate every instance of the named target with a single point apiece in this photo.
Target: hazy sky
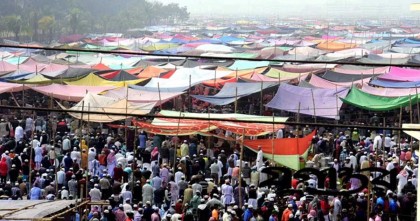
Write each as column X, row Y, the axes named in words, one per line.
column 296, row 7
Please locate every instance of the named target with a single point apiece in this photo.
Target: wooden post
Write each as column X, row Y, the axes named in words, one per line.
column 399, row 131
column 411, row 111
column 313, row 101
column 125, row 119
column 31, row 153
column 189, row 95
column 240, row 166
column 160, row 98
column 272, row 140
column 417, row 102
column 215, row 74
column 23, row 95
column 236, row 99
column 176, row 143
column 336, row 103
column 261, row 99
column 298, row 120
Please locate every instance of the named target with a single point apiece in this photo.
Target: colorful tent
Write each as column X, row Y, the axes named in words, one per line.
column 310, row 101
column 11, row 87
column 233, row 91
column 69, row 92
column 141, row 96
column 151, row 71
column 106, row 105
column 244, row 65
column 94, row 80
column 323, row 83
column 36, row 79
column 389, row 92
column 415, row 134
column 167, row 126
column 186, row 77
column 401, row 74
column 335, row 46
column 284, row 75
column 207, row 116
column 363, row 100
column 285, row 151
column 353, row 69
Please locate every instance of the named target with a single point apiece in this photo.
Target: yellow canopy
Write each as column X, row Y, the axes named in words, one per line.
column 94, row 80
column 37, row 79
column 106, row 105
column 284, row 75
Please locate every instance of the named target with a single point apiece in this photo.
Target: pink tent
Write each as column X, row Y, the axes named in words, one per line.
column 351, row 69
column 322, row 83
column 7, row 67
column 389, row 92
column 70, row 92
column 401, row 74
column 11, row 87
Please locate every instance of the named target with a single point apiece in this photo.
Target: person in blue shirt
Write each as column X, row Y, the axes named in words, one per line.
column 35, row 193
column 248, row 213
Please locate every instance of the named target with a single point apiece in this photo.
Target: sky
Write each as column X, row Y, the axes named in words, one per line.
column 343, row 8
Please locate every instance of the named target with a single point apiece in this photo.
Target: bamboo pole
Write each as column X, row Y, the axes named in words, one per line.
column 399, row 131
column 240, row 166
column 313, row 101
column 272, row 141
column 411, row 111
column 160, row 98
column 189, row 95
column 261, row 99
column 417, row 102
column 32, row 152
column 23, row 95
column 125, row 119
column 176, row 143
column 236, row 99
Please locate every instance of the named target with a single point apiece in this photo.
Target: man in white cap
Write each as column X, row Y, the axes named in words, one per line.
column 76, row 155
column 147, row 192
column 127, row 207
column 377, row 142
column 184, row 148
column 260, row 160
column 18, row 133
column 95, row 194
column 227, row 193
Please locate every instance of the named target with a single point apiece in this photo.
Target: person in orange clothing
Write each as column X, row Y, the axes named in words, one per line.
column 215, row 214
column 84, row 162
column 286, row 213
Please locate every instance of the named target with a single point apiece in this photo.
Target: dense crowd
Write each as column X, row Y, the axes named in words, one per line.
column 201, row 178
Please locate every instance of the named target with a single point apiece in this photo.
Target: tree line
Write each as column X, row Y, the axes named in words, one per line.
column 44, row 20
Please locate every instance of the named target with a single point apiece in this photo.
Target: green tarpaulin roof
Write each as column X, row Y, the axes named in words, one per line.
column 367, row 101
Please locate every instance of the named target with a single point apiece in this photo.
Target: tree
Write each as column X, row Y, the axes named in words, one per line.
column 13, row 24
column 75, row 19
column 46, row 23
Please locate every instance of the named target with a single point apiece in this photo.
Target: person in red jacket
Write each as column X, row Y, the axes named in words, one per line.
column 4, row 169
column 118, row 173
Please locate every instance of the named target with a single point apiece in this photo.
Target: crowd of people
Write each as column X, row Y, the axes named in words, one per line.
column 202, row 178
